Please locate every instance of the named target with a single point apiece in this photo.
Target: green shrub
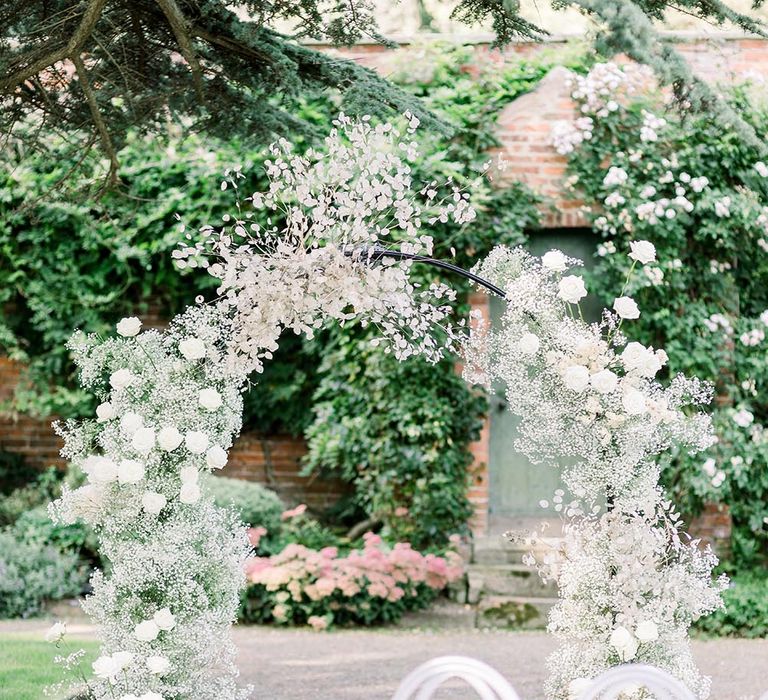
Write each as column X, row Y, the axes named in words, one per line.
column 35, row 527
column 41, row 491
column 746, row 609
column 258, row 506
column 31, row 573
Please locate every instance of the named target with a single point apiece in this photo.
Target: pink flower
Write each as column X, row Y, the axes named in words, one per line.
column 401, row 512
column 317, row 623
column 255, row 534
column 294, row 512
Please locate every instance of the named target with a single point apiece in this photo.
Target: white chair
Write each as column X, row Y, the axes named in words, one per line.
column 662, row 684
column 422, row 683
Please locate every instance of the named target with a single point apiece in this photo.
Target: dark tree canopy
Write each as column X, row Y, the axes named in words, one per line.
column 94, row 69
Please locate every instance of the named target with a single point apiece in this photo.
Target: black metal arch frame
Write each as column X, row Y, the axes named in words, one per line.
column 377, row 253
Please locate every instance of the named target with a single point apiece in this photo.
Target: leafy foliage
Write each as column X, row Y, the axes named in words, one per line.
column 31, row 574
column 399, row 432
column 254, row 504
column 746, row 609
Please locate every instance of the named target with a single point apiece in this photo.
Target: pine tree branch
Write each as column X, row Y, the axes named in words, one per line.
column 98, row 120
column 72, row 47
column 180, row 29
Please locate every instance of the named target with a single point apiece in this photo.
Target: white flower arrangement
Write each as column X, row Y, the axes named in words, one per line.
column 630, row 581
column 171, row 406
column 171, row 594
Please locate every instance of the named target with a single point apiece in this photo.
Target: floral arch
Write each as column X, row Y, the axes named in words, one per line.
column 352, row 226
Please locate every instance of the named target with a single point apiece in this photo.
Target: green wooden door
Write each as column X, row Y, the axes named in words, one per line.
column 516, row 486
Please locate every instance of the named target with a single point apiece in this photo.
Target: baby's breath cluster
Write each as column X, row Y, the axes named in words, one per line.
column 332, row 212
column 170, row 408
column 590, row 404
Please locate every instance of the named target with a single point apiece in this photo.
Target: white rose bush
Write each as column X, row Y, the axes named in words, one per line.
column 170, row 407
column 630, row 580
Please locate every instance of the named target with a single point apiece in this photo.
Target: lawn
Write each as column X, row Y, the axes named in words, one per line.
column 26, row 664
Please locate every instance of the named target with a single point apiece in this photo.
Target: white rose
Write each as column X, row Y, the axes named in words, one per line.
column 159, row 665
column 130, row 423
column 554, row 260
column 743, row 418
column 151, row 695
column 169, row 438
column 129, row 471
column 576, row 378
column 209, row 399
column 164, row 619
column 104, row 412
column 604, row 381
column 146, row 631
column 642, row 251
column 624, row 643
column 528, row 344
column 106, row 667
column 634, row 402
column 647, row 631
column 626, row 307
column 153, row 502
column 216, row 457
column 189, row 493
column 196, row 441
column 122, row 658
column 129, row 327
column 762, row 168
column 120, row 379
column 571, row 289
column 104, row 471
column 189, row 475
column 56, row 632
column 192, row 348
column 143, row 440
column 577, row 687
column 638, row 358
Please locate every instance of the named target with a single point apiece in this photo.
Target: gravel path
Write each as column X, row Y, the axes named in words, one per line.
column 288, row 664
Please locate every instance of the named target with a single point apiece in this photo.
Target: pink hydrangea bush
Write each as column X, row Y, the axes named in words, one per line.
column 371, row 585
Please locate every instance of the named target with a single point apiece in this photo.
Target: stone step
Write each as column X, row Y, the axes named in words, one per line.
column 513, row 613
column 499, row 551
column 507, row 579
